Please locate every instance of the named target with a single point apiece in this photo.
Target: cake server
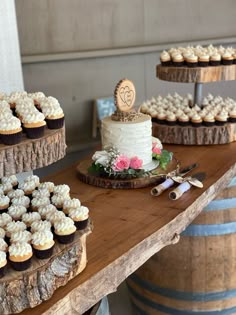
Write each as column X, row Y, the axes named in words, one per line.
column 186, row 183
column 158, row 190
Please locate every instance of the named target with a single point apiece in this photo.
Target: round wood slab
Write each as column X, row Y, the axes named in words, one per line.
column 189, row 135
column 84, row 176
column 196, row 75
column 31, row 154
column 26, row 289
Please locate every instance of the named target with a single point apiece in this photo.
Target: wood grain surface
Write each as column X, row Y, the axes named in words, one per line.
column 131, row 225
column 196, row 75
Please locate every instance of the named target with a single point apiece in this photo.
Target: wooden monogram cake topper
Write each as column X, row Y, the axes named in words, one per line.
column 125, row 95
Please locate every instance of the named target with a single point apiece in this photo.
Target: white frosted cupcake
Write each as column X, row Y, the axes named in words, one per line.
column 58, row 200
column 3, row 263
column 10, row 130
column 33, row 178
column 16, row 212
column 4, row 203
column 15, row 193
column 3, row 245
column 43, row 243
column 20, row 256
column 12, row 179
column 34, row 124
column 28, row 187
column 71, row 204
column 56, row 216
column 2, row 233
column 80, row 217
column 37, row 97
column 44, row 210
column 5, row 218
column 23, row 201
column 39, row 202
column 41, row 225
column 14, row 227
column 65, row 230
column 29, row 218
column 62, row 189
column 40, row 193
column 6, row 187
column 21, row 237
column 47, row 185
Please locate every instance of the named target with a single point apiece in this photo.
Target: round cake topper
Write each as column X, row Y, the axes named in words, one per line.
column 125, row 95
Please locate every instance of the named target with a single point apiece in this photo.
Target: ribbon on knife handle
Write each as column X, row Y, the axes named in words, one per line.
column 156, row 191
column 179, row 191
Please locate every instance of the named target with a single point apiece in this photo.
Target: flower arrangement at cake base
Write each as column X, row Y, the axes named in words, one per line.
column 111, row 163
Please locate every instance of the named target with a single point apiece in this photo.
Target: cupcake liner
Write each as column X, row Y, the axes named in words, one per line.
column 21, row 265
column 161, row 121
column 232, row 120
column 55, row 123
column 11, row 139
column 43, row 254
column 183, row 123
column 171, row 123
column 192, row 64
column 220, row 123
column 178, row 64
column 65, row 239
column 35, row 133
column 227, row 62
column 203, row 63
column 80, row 225
column 166, row 63
column 196, row 125
column 215, row 63
column 2, row 271
column 208, row 123
column 3, row 210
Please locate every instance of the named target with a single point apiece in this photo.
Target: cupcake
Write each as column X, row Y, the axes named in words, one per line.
column 54, row 118
column 15, row 193
column 227, row 59
column 165, row 58
column 209, row 120
column 2, row 233
column 28, row 188
column 177, row 60
column 3, row 245
column 58, row 200
column 41, row 225
column 20, row 255
column 80, row 217
column 203, row 60
column 43, row 244
column 56, row 216
column 29, row 218
column 196, row 120
column 5, row 218
column 192, row 61
column 21, row 237
column 4, row 203
column 171, row 119
column 183, row 120
column 34, row 125
column 3, row 263
column 221, row 118
column 6, row 187
column 12, row 179
column 47, row 185
column 14, row 227
column 161, row 118
column 232, row 116
column 37, row 97
column 16, row 211
column 71, row 204
column 40, row 193
column 10, row 131
column 44, row 210
column 62, row 189
column 23, row 201
column 33, row 178
column 215, row 59
column 39, row 202
column 65, row 230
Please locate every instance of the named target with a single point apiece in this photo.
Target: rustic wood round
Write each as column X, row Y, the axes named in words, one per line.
column 31, row 154
column 84, row 176
column 189, row 135
column 26, row 289
column 196, row 75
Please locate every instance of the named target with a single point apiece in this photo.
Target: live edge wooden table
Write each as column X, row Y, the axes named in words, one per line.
column 131, row 225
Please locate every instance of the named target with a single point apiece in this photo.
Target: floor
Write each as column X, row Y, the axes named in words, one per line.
column 119, row 303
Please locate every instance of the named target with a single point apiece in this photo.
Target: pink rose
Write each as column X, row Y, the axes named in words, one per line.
column 121, row 163
column 156, row 150
column 154, row 144
column 136, row 163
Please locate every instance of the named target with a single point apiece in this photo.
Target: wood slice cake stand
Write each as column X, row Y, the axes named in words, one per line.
column 31, row 154
column 26, row 289
column 104, row 182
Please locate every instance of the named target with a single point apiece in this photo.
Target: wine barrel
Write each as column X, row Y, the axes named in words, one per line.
column 197, row 275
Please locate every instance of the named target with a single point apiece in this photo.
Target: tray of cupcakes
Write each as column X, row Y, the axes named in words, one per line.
column 177, row 120
column 27, row 115
column 38, row 222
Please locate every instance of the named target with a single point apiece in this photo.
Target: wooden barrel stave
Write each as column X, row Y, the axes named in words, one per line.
column 197, row 275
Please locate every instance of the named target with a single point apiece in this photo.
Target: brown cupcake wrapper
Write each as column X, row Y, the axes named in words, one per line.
column 21, row 265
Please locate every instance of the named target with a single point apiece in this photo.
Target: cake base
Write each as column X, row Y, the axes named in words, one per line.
column 104, row 182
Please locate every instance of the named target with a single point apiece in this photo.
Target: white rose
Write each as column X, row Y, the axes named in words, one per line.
column 157, row 142
column 101, row 157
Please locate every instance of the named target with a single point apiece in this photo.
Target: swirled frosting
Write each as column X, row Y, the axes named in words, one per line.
column 5, row 219
column 38, row 202
column 42, row 237
column 20, row 249
column 47, row 185
column 40, row 226
column 53, row 217
column 6, row 187
column 3, row 245
column 66, row 224
column 4, row 105
column 79, row 214
column 53, row 112
column 21, row 237
column 12, row 179
column 41, row 193
column 33, row 178
column 33, row 118
column 44, row 210
column 15, row 226
column 24, row 201
column 37, row 96
column 16, row 211
column 15, row 193
column 62, row 189
column 27, row 186
column 58, row 200
column 4, row 201
column 2, row 233
column 71, row 203
column 11, row 123
column 3, row 258
column 30, row 217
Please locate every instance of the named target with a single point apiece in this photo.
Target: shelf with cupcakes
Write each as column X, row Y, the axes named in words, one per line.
column 43, row 232
column 205, row 120
column 32, row 133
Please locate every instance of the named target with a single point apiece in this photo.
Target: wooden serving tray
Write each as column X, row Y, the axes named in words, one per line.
column 189, row 135
column 31, row 154
column 26, row 289
column 196, row 75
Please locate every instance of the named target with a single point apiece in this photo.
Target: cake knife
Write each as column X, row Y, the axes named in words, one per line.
column 158, row 190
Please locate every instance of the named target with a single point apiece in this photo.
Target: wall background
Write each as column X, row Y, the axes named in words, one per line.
column 77, row 50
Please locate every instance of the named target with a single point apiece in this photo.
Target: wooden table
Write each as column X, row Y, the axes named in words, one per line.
column 131, row 225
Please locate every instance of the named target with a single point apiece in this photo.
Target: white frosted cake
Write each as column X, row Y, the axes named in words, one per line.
column 131, row 138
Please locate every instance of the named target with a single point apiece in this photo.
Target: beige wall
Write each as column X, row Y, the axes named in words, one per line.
column 77, row 50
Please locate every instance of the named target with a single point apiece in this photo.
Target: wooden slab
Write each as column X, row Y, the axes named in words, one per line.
column 196, row 75
column 31, row 154
column 85, row 177
column 131, row 225
column 26, row 289
column 189, row 135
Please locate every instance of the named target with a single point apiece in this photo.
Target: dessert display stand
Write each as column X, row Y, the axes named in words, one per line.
column 189, row 135
column 20, row 290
